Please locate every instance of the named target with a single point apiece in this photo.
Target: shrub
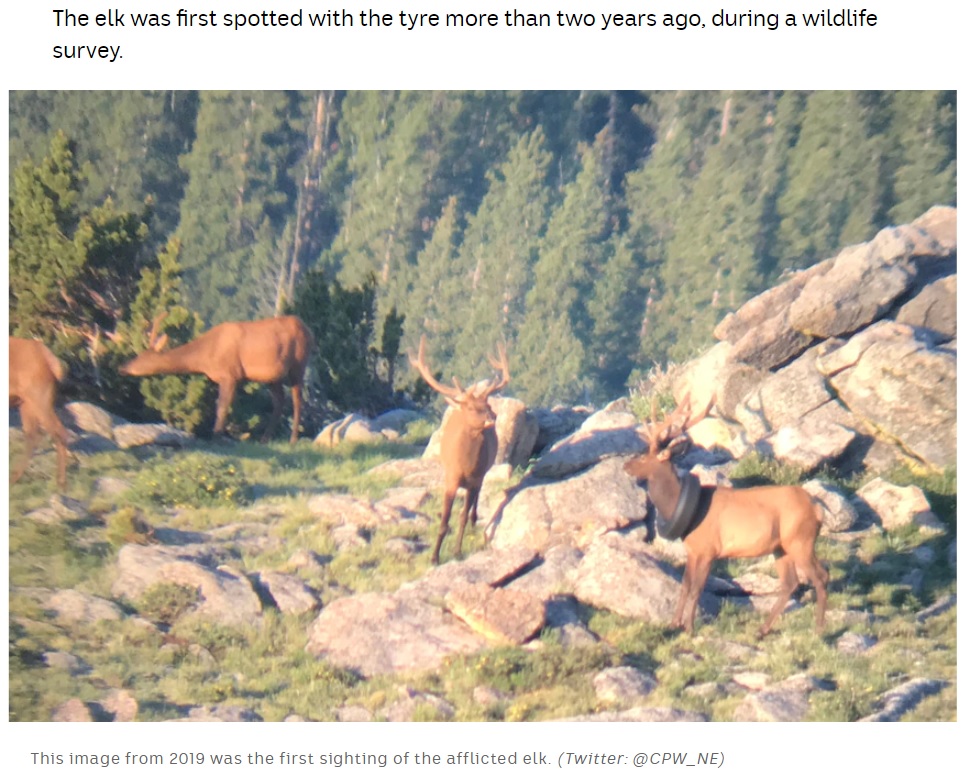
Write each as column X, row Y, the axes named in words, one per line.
column 193, row 480
column 166, row 601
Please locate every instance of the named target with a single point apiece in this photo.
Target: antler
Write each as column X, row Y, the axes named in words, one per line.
column 155, row 342
column 502, row 364
column 420, row 364
column 664, row 434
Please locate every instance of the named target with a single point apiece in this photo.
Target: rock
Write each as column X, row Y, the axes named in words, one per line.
column 556, row 423
column 73, row 710
column 492, row 567
column 226, row 596
column 808, row 444
column 75, row 606
column 837, row 513
column 766, row 305
column 894, row 506
column 342, row 509
column 751, row 680
column 785, row 701
column 734, row 382
column 940, row 606
column 378, row 633
column 502, row 615
column 412, row 702
column 699, row 378
column 623, row 684
column 855, row 643
column 288, row 592
column 353, row 714
column 351, row 428
column 349, row 536
column 110, row 487
column 66, row 662
column 84, row 416
column 564, row 617
column 619, row 576
column 899, row 701
column 934, row 307
column 940, row 224
column 573, row 511
column 602, row 435
column 221, row 713
column 655, row 714
column 861, row 285
column 128, row 435
column 772, row 344
column 550, row 574
column 516, row 430
column 121, row 704
column 396, row 420
column 900, row 383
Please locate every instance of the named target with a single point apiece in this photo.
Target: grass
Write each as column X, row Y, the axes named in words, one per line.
column 170, row 660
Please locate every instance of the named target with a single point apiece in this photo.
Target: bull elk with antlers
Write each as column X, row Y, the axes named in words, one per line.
column 34, row 374
column 273, row 351
column 718, row 522
column 468, row 446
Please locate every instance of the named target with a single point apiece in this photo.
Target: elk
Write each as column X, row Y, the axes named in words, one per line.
column 468, row 446
column 728, row 522
column 34, row 374
column 273, row 351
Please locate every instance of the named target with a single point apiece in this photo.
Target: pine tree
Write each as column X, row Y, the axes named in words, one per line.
column 499, row 251
column 237, row 203
column 551, row 348
column 834, row 188
column 923, row 156
column 711, row 266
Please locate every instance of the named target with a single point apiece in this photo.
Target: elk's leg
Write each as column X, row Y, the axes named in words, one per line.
column 296, row 411
column 447, row 500
column 817, row 575
column 277, row 392
column 226, row 397
column 678, row 615
column 697, row 581
column 789, row 582
column 472, row 498
column 58, row 433
column 29, row 424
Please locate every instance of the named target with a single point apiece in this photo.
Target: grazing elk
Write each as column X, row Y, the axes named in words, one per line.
column 718, row 522
column 273, row 351
column 34, row 374
column 469, row 442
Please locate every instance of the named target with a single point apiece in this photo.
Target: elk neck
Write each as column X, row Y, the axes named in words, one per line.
column 663, row 488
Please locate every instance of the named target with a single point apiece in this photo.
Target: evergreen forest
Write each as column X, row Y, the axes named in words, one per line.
column 598, row 234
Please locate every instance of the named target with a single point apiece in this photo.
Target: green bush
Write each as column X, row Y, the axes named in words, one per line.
column 192, row 480
column 166, row 601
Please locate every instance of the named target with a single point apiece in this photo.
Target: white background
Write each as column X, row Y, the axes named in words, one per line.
column 915, row 45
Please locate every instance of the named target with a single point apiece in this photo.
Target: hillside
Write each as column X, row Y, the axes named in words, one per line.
column 184, row 579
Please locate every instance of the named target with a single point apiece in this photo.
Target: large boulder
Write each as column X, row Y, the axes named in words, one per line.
column 571, row 512
column 862, row 284
column 898, row 381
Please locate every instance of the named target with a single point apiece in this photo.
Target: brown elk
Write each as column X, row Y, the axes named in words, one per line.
column 468, row 446
column 719, row 522
column 34, row 374
column 273, row 351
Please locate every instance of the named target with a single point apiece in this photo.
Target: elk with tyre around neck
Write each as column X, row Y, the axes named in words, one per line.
column 273, row 351
column 34, row 374
column 722, row 522
column 469, row 442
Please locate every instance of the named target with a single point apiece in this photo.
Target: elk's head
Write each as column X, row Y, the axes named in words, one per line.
column 665, row 439
column 474, row 401
column 141, row 364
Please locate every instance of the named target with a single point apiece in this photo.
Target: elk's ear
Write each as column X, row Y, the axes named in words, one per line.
column 162, row 342
column 679, row 446
column 664, row 455
column 453, row 402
